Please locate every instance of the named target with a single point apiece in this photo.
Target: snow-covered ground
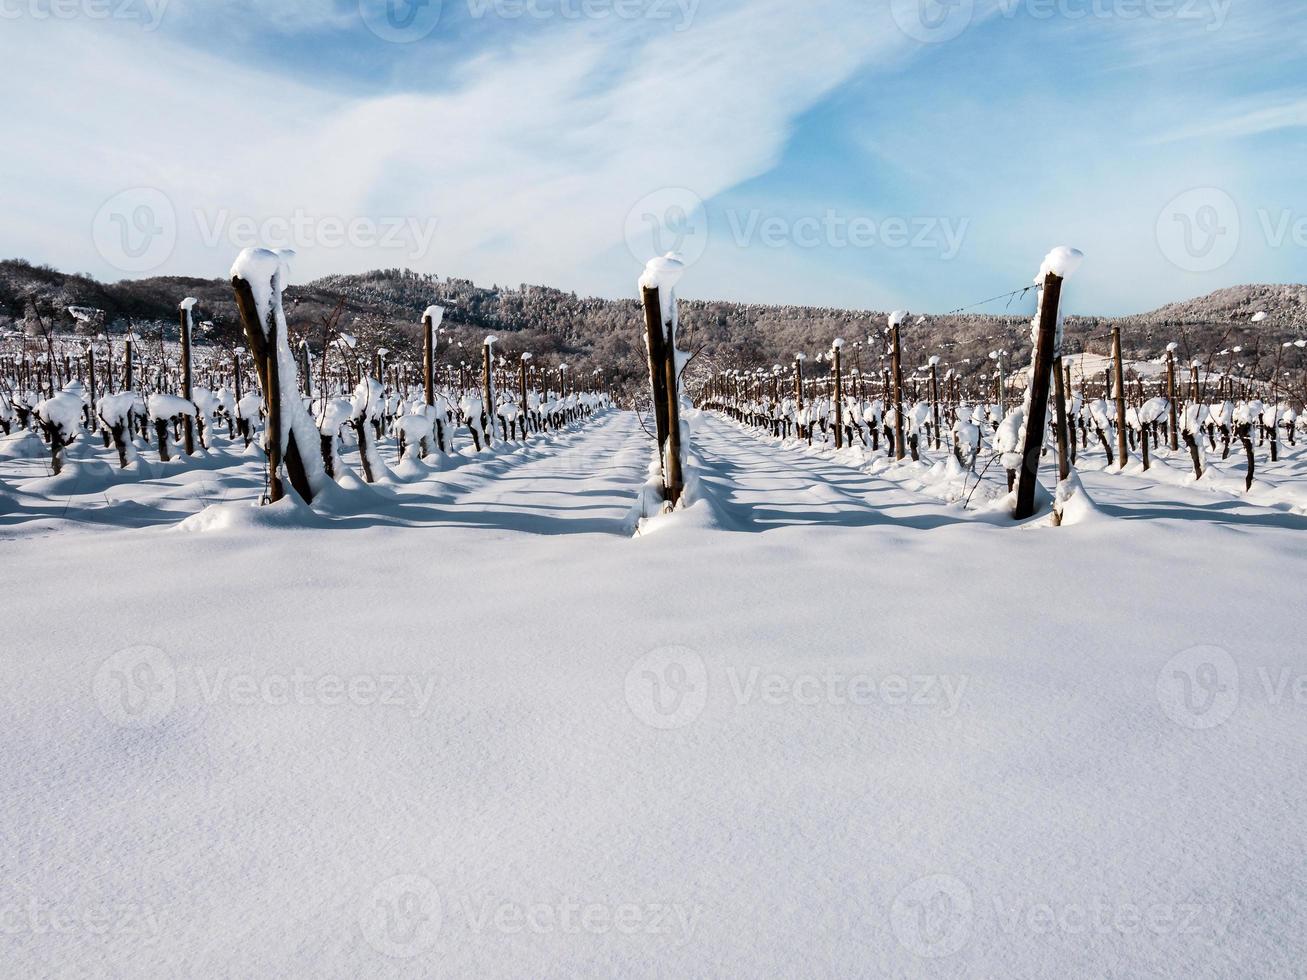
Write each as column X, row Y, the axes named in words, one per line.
column 824, row 722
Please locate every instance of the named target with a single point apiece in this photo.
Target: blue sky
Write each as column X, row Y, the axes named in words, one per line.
column 864, row 153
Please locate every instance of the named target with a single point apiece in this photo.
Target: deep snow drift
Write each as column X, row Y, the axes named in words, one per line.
column 824, row 722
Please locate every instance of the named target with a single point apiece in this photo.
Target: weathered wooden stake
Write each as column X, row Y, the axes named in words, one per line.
column 1118, row 383
column 188, row 392
column 1041, row 377
column 896, row 369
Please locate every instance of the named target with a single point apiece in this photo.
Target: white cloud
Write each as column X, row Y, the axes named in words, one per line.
column 528, row 165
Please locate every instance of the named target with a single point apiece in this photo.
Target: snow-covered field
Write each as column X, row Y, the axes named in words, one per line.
column 825, row 721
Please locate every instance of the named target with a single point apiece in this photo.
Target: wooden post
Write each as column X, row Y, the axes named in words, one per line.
column 428, row 359
column 488, row 387
column 897, row 370
column 1118, row 383
column 90, row 374
column 934, row 398
column 1065, row 439
column 128, row 369
column 1170, row 396
column 656, row 342
column 188, row 391
column 839, row 393
column 521, row 392
column 1041, row 377
column 673, row 478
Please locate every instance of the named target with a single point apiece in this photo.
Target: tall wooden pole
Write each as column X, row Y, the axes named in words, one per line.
column 934, row 399
column 1041, row 376
column 839, row 394
column 897, row 370
column 428, row 359
column 1170, row 397
column 655, row 342
column 1118, row 382
column 188, row 392
column 488, row 387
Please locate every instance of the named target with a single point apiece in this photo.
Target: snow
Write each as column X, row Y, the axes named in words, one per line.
column 1062, row 262
column 170, row 407
column 436, row 314
column 898, row 318
column 808, row 728
column 63, row 411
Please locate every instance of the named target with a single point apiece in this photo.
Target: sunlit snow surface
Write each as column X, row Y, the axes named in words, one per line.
column 824, row 722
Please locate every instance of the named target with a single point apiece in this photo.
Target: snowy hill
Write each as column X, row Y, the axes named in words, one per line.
column 383, row 308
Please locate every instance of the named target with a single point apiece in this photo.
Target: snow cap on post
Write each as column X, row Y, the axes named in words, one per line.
column 837, row 343
column 436, row 313
column 266, row 271
column 898, row 318
column 663, row 273
column 528, row 356
column 1063, row 262
column 188, row 304
column 491, row 341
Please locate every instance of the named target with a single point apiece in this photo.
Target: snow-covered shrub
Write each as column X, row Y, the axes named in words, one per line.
column 61, row 418
column 166, row 410
column 117, row 412
column 366, row 410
